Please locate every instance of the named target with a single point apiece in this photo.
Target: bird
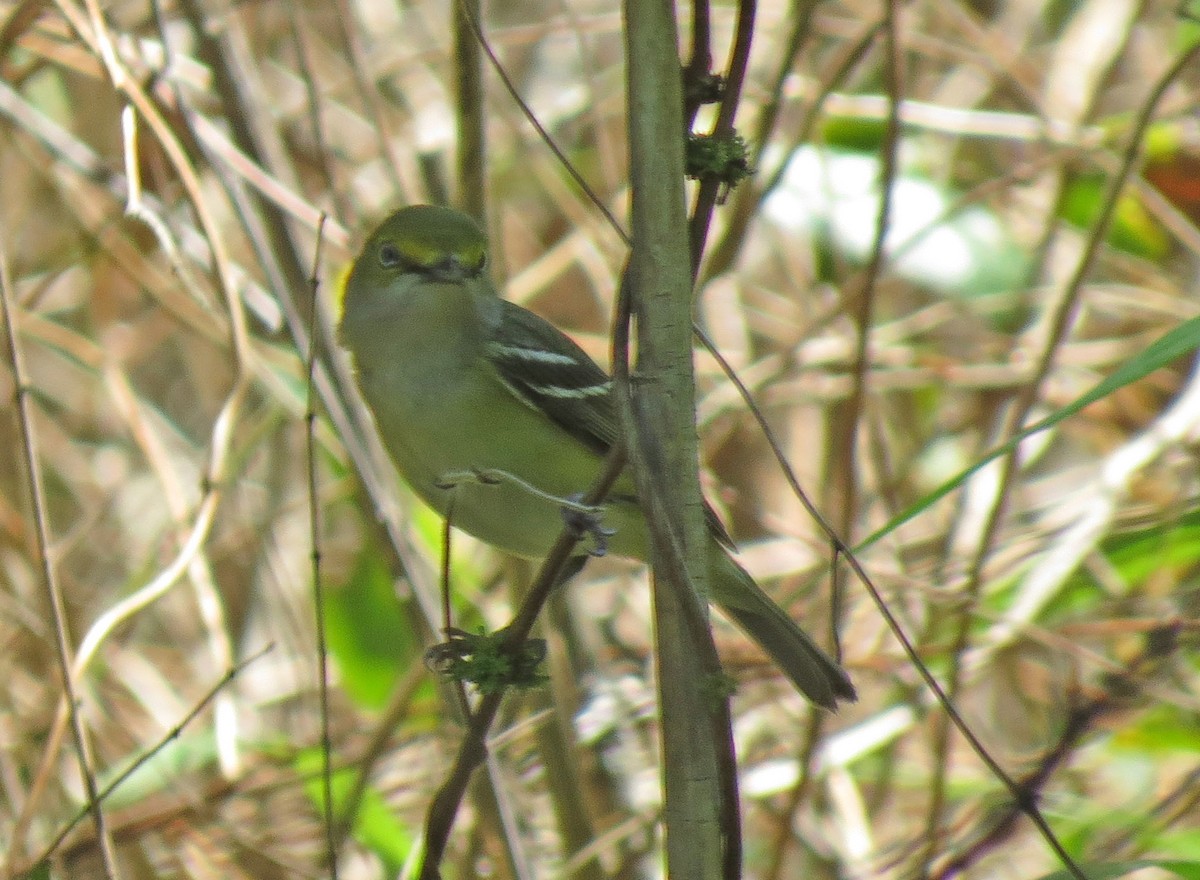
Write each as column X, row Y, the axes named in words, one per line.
column 486, row 407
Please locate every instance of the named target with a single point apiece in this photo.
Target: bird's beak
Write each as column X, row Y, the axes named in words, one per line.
column 451, row 269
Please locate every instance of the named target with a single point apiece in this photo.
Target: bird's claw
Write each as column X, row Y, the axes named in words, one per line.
column 587, row 522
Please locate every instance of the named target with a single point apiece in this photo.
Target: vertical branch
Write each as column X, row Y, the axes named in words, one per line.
column 735, row 77
column 468, row 107
column 702, row 832
column 700, row 60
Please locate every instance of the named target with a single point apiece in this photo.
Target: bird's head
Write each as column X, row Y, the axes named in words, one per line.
column 431, row 242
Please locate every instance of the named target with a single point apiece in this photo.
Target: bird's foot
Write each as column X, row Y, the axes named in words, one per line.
column 585, row 520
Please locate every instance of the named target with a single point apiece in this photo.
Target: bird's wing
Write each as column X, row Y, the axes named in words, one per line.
column 547, row 371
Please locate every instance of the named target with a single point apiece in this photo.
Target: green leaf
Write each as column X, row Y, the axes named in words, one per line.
column 367, row 633
column 1133, row 229
column 1186, row 870
column 41, row 871
column 375, row 826
column 1175, row 344
column 1159, row 731
column 1187, row 19
column 859, row 133
column 1171, row 546
column 1181, row 842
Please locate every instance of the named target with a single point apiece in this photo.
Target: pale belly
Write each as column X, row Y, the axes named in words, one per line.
column 440, row 460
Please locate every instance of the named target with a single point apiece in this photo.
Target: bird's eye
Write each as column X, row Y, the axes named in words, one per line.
column 389, row 255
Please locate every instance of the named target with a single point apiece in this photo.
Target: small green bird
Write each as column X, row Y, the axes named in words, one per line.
column 462, row 381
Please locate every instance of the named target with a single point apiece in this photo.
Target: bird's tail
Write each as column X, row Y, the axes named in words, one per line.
column 814, row 672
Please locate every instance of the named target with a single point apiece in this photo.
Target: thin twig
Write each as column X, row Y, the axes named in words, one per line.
column 440, row 818
column 314, row 523
column 173, row 734
column 544, row 135
column 49, row 579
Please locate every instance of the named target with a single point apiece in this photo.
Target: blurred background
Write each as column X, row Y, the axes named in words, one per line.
column 163, row 169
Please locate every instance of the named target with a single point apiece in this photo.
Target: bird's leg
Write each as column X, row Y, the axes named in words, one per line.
column 583, row 518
